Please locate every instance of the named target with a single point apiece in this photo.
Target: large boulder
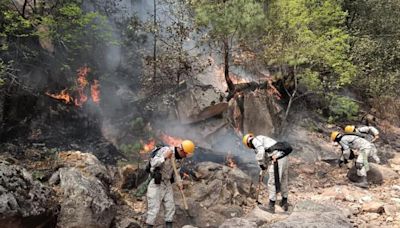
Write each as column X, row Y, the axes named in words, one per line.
column 311, row 214
column 218, row 195
column 83, row 187
column 199, row 103
column 23, row 201
column 85, row 201
column 87, row 163
column 260, row 113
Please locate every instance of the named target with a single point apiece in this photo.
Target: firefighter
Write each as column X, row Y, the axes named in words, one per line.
column 364, row 147
column 272, row 156
column 160, row 186
column 368, row 132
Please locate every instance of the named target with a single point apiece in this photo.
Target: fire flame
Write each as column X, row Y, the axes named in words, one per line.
column 81, row 85
column 173, row 141
column 147, row 147
column 63, row 96
column 82, row 82
column 95, row 91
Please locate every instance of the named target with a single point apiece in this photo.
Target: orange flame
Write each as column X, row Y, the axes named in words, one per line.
column 147, row 147
column 63, row 96
column 95, row 91
column 81, row 84
column 173, row 141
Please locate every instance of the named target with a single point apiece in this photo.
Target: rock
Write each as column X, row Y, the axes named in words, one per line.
column 390, row 209
column 261, row 217
column 373, row 207
column 189, row 226
column 311, row 214
column 376, row 175
column 238, row 223
column 366, row 198
column 85, row 201
column 87, row 163
column 255, row 103
column 54, row 179
column 219, row 194
column 395, row 160
column 199, row 103
column 23, row 201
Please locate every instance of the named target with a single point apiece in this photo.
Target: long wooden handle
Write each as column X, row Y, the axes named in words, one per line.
column 176, row 175
column 260, row 180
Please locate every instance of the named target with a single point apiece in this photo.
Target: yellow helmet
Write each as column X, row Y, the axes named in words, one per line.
column 246, row 139
column 349, row 128
column 187, row 146
column 334, row 135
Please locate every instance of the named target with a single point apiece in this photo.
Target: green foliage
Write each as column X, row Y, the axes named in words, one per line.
column 228, row 18
column 309, row 34
column 374, row 26
column 77, row 30
column 137, row 124
column 342, row 108
column 130, row 149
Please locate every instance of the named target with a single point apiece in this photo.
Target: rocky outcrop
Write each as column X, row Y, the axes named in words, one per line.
column 199, row 103
column 219, row 194
column 260, row 113
column 23, row 201
column 238, row 223
column 85, row 200
column 312, row 214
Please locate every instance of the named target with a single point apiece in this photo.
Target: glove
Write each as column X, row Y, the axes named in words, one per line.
column 263, row 167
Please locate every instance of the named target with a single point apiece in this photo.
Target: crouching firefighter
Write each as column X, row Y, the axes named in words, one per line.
column 365, row 148
column 160, row 186
column 370, row 133
column 268, row 151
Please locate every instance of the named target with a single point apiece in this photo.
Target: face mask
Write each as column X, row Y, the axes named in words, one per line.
column 177, row 156
column 251, row 144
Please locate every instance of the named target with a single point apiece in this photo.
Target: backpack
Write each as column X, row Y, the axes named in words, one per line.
column 281, row 146
column 153, row 153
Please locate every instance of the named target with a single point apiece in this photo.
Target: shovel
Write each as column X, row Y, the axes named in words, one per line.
column 260, row 180
column 176, row 174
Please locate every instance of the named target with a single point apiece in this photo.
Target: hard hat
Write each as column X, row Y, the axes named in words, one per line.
column 187, row 146
column 334, row 135
column 349, row 128
column 246, row 139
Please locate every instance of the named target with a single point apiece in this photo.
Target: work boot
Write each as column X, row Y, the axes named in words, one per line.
column 363, row 183
column 284, row 204
column 168, row 224
column 271, row 207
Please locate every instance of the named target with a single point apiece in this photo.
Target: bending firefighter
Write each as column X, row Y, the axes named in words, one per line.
column 160, row 186
column 368, row 132
column 364, row 147
column 268, row 151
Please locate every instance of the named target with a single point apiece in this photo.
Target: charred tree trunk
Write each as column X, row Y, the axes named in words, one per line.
column 231, row 86
column 292, row 97
column 155, row 41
